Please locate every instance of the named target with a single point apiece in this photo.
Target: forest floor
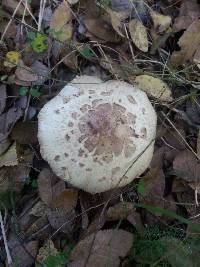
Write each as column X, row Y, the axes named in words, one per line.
column 151, row 44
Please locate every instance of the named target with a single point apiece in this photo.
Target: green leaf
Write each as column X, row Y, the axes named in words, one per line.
column 58, row 260
column 34, row 184
column 86, row 52
column 23, row 91
column 31, row 35
column 4, row 77
column 141, row 187
column 39, row 44
column 34, row 92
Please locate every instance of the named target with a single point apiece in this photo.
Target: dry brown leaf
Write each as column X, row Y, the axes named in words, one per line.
column 138, row 34
column 61, row 22
column 161, row 22
column 25, row 76
column 7, row 121
column 120, row 211
column 9, row 158
column 102, row 249
column 100, row 29
column 23, row 253
column 189, row 12
column 10, row 6
column 14, row 177
column 25, row 132
column 154, row 87
column 48, row 188
column 3, row 96
column 154, row 185
column 64, row 221
column 66, row 200
column 116, row 20
column 187, row 167
column 189, row 42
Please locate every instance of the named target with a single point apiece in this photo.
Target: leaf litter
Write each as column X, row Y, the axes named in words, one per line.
column 152, row 44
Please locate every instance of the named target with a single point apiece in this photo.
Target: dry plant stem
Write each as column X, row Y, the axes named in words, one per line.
column 9, row 259
column 23, row 20
column 41, row 13
column 10, row 21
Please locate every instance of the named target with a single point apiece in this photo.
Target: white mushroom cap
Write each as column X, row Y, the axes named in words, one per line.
column 97, row 135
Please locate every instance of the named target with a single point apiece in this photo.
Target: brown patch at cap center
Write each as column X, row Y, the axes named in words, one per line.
column 105, row 130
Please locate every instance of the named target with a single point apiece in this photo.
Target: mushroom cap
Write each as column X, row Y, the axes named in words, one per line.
column 97, row 135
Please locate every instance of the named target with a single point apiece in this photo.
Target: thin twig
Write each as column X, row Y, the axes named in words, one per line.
column 9, row 259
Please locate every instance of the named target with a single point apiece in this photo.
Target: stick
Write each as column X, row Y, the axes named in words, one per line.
column 9, row 259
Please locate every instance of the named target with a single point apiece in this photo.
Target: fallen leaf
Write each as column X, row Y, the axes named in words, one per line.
column 66, row 200
column 12, row 59
column 100, row 29
column 46, row 182
column 25, row 76
column 3, row 96
column 25, row 132
column 189, row 42
column 188, row 13
column 154, row 87
column 116, row 20
column 36, row 74
column 38, row 210
column 105, row 248
column 47, row 249
column 12, row 178
column 61, row 24
column 9, row 158
column 8, row 120
column 23, row 253
column 11, row 5
column 187, row 167
column 64, row 221
column 138, row 34
column 120, row 211
column 161, row 22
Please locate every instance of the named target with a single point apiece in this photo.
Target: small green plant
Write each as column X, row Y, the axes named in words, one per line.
column 38, row 41
column 61, row 259
column 86, row 52
column 29, row 91
column 55, row 33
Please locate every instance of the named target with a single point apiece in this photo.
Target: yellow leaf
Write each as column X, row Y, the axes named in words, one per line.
column 12, row 59
column 161, row 22
column 61, row 24
column 154, row 87
column 138, row 34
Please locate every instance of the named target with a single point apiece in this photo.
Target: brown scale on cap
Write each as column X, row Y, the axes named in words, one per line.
column 106, row 131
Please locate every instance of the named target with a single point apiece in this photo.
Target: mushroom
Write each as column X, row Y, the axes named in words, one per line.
column 97, row 135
